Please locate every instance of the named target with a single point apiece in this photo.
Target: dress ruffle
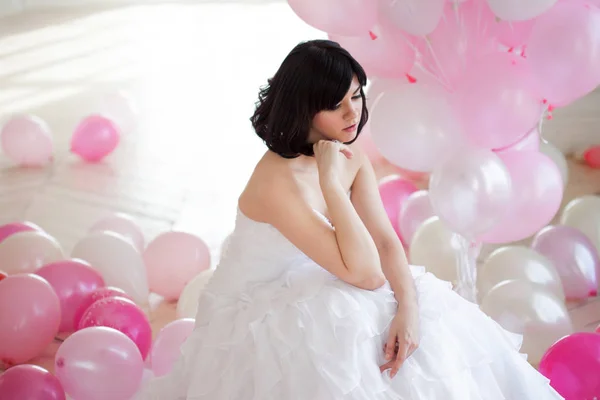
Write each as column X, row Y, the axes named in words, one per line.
column 309, row 336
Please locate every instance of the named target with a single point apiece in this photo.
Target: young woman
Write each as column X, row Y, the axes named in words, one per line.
column 313, row 298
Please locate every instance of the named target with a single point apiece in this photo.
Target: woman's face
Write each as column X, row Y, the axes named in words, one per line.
column 341, row 123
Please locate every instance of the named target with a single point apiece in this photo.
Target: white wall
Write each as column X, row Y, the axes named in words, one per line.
column 10, row 7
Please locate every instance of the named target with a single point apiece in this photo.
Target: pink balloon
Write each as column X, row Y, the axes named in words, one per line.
column 459, row 39
column 94, row 138
column 383, row 52
column 27, row 141
column 592, row 157
column 29, row 317
column 415, row 209
column 365, row 142
column 123, row 315
column 3, row 275
column 530, row 142
column 30, row 382
column 72, row 280
column 416, row 17
column 99, row 363
column 172, row 260
column 572, row 365
column 496, row 101
column 394, row 191
column 98, row 294
column 575, row 258
column 537, row 192
column 166, row 347
column 16, row 227
column 514, row 33
column 333, row 16
column 564, row 52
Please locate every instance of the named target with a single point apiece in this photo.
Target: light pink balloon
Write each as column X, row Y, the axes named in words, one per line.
column 27, row 141
column 172, row 260
column 394, row 191
column 462, row 36
column 9, row 229
column 537, row 191
column 572, row 364
column 574, row 256
column 530, row 142
column 383, row 52
column 518, row 10
column 94, row 138
column 124, row 225
column 166, row 347
column 496, row 101
column 564, row 52
column 30, row 382
column 29, row 317
column 99, row 363
column 513, row 33
column 341, row 17
column 72, row 280
column 416, row 17
column 469, row 191
column 123, row 315
column 91, row 298
column 415, row 209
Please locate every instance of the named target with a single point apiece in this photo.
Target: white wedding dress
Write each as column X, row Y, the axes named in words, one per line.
column 273, row 325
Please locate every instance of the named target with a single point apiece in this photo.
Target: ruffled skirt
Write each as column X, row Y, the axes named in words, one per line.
column 309, row 336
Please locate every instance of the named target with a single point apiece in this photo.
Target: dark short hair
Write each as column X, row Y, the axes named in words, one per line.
column 315, row 76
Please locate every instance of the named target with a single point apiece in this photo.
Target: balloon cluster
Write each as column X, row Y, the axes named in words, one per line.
column 97, row 299
column 27, row 140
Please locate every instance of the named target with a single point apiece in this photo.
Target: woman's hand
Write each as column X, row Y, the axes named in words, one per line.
column 403, row 338
column 329, row 155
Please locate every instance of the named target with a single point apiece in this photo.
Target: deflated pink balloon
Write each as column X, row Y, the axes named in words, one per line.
column 30, row 382
column 9, row 229
column 123, row 315
column 166, row 347
column 94, row 138
column 99, row 363
column 29, row 317
column 27, row 141
column 537, row 192
column 339, row 17
column 72, row 280
column 574, row 256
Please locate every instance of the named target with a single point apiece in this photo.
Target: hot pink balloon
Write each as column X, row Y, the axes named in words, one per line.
column 575, row 258
column 30, row 382
column 172, row 260
column 123, row 315
column 27, row 141
column 496, row 101
column 29, row 317
column 94, row 138
column 72, row 280
column 530, row 142
column 384, row 51
column 166, row 347
column 537, row 192
column 98, row 294
column 99, row 363
column 415, row 209
column 9, row 229
column 564, row 52
column 394, row 191
column 592, row 157
column 572, row 365
column 3, row 275
column 333, row 16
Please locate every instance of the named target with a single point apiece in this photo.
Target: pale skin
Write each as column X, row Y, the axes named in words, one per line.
column 363, row 249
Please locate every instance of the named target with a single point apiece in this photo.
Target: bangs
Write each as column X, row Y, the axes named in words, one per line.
column 332, row 79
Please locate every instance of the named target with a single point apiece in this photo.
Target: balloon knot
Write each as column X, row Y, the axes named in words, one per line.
column 372, row 35
column 60, row 362
column 510, row 50
column 523, row 52
column 410, row 78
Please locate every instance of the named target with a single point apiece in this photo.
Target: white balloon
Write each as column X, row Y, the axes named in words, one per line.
column 415, row 210
column 558, row 157
column 119, row 262
column 530, row 310
column 25, row 252
column 583, row 213
column 187, row 305
column 518, row 263
column 417, row 17
column 520, row 10
column 124, row 225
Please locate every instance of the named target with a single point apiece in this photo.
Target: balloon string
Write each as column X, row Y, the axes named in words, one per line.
column 467, row 267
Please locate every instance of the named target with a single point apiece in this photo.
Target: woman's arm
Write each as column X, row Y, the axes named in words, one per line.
column 368, row 204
